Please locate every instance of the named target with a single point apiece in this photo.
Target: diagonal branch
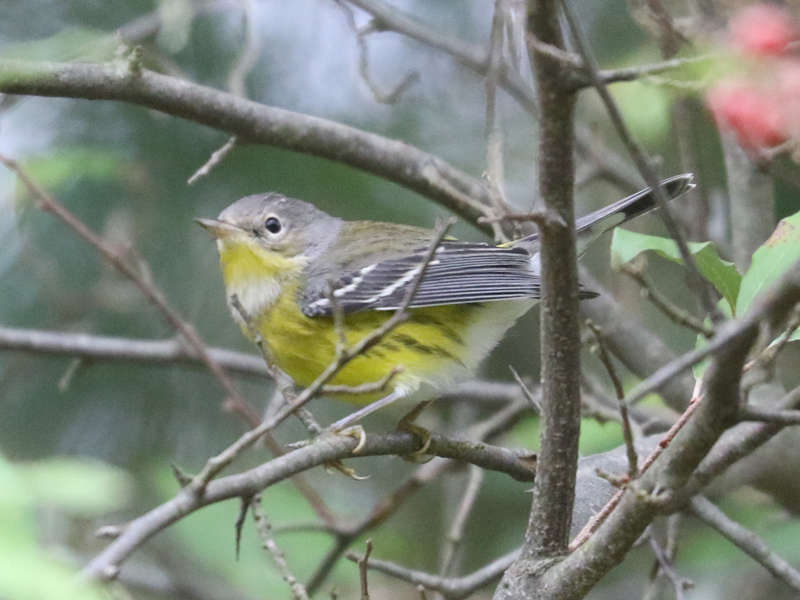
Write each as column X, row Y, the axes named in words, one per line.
column 253, row 122
column 746, row 540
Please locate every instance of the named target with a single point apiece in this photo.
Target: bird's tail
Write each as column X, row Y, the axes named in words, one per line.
column 634, row 205
column 590, row 227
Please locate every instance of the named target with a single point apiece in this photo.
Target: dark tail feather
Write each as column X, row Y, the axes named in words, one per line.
column 591, row 226
column 637, row 204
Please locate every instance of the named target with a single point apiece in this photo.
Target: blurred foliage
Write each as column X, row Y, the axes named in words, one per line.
column 123, row 169
column 77, row 489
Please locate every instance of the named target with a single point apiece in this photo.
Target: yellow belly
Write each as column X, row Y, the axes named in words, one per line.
column 436, row 345
column 304, row 347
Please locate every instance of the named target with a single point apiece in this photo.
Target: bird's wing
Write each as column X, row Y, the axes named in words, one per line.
column 459, row 273
column 377, row 276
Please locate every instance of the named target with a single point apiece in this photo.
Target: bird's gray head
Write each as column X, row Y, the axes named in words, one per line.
column 277, row 223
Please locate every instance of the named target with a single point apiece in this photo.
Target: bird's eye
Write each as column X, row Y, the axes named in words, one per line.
column 273, row 225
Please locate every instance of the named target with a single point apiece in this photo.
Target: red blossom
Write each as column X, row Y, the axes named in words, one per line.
column 763, row 29
column 756, row 117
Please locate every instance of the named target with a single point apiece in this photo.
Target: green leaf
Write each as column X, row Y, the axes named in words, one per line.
column 770, row 261
column 627, row 245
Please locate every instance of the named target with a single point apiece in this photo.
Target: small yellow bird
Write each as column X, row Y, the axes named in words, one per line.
column 281, row 257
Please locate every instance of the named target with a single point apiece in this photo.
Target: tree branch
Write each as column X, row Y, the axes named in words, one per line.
column 252, row 122
column 554, row 490
column 321, row 451
column 747, row 541
column 453, row 588
column 101, row 347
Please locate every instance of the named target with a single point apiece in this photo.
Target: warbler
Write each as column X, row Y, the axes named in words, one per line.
column 285, row 260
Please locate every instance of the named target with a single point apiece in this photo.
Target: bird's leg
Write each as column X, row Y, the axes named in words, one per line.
column 407, row 424
column 347, row 425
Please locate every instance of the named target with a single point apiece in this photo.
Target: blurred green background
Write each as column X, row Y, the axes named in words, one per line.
column 109, row 431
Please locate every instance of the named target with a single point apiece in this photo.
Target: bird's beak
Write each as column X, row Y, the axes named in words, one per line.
column 218, row 229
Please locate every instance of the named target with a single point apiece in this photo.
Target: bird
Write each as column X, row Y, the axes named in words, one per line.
column 289, row 268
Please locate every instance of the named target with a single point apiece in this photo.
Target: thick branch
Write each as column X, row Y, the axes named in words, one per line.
column 554, row 489
column 323, row 450
column 253, row 122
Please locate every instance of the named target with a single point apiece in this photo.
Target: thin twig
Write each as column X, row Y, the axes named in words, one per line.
column 768, row 356
column 456, row 532
column 365, row 388
column 98, row 347
column 69, row 374
column 679, row 584
column 263, row 527
column 338, row 320
column 363, row 563
column 381, row 96
column 534, row 401
column 452, row 587
column 627, row 432
column 216, row 158
column 608, row 76
column 597, row 404
column 540, row 217
column 568, row 59
column 678, row 315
